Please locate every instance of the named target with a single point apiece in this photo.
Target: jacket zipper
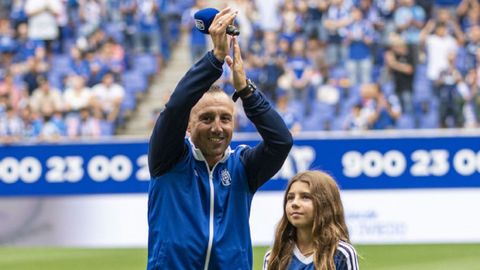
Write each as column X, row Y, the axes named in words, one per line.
column 210, row 222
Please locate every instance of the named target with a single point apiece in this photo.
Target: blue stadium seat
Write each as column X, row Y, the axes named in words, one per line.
column 338, row 122
column 115, row 31
column 348, row 104
column 388, row 88
column 60, row 63
column 429, row 120
column 134, row 81
column 422, row 90
column 107, row 128
column 313, row 122
column 129, row 102
column 405, row 122
column 145, row 63
column 323, row 109
column 298, row 107
column 56, row 80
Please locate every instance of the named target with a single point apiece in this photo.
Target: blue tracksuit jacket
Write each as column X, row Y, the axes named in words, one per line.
column 199, row 217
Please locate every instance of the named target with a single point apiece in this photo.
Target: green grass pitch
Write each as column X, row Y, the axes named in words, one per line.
column 373, row 257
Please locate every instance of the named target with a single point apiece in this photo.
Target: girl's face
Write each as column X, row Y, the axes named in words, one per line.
column 299, row 207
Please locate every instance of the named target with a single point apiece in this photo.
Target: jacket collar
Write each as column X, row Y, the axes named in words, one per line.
column 198, row 155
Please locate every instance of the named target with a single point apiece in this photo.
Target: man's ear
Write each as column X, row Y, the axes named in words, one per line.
column 188, row 129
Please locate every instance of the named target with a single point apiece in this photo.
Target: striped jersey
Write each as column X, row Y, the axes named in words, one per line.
column 345, row 258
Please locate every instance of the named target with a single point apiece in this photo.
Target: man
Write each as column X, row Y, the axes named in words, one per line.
column 399, row 60
column 201, row 190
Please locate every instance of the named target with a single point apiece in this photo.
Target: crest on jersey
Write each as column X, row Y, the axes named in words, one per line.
column 226, row 179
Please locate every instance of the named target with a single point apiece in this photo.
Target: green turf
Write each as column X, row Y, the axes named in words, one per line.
column 376, row 257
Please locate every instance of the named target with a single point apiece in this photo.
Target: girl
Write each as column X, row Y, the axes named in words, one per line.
column 312, row 233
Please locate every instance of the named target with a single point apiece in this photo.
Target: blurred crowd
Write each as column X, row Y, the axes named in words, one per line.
column 74, row 68
column 361, row 64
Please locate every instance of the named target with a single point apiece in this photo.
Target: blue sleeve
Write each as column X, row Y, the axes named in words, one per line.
column 265, row 159
column 167, row 140
column 346, row 257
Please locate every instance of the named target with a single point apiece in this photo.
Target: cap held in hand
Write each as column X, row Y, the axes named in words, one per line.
column 204, row 18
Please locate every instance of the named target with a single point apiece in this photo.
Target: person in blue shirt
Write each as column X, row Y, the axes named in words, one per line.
column 201, row 190
column 312, row 233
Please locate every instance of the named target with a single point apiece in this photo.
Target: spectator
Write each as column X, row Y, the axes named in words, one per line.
column 359, row 38
column 77, row 96
column 7, row 39
column 299, row 72
column 77, row 62
column 8, row 88
column 399, row 61
column 272, row 68
column 469, row 15
column 357, row 119
column 85, row 126
column 111, row 56
column 198, row 40
column 451, row 102
column 244, row 18
column 438, row 46
column 336, row 20
column 89, row 125
column 382, row 111
column 17, row 12
column 42, row 20
column 11, row 126
column 444, row 16
column 469, row 90
column 35, row 66
column 127, row 9
column 409, row 21
column 290, row 20
column 53, row 127
column 386, row 23
column 472, row 46
column 288, row 114
column 32, row 124
column 148, row 30
column 25, row 46
column 90, row 12
column 314, row 28
column 108, row 95
column 269, row 14
column 46, row 96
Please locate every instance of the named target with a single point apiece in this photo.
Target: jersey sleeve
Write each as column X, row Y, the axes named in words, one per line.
column 265, row 260
column 346, row 257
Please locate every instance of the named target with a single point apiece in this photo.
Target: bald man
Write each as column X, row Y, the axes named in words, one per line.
column 201, row 190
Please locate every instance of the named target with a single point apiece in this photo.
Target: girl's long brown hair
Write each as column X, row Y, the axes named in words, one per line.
column 328, row 225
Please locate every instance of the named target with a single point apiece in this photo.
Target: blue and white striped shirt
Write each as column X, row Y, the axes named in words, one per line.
column 345, row 258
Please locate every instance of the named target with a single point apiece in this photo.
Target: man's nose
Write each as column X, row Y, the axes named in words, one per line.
column 217, row 125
